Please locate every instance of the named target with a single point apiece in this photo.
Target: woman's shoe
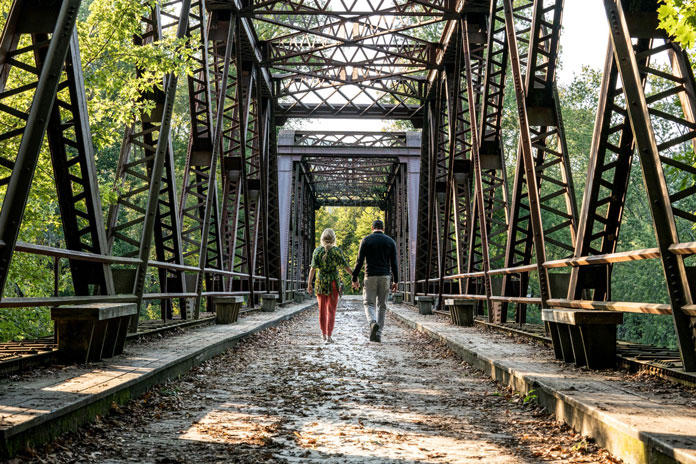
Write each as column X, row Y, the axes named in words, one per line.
column 323, row 337
column 330, row 340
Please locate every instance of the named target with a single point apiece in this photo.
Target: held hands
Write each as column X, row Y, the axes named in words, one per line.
column 356, row 285
column 394, row 286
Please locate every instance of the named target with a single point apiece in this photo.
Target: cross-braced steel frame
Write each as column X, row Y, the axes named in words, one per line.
column 528, row 243
column 479, row 213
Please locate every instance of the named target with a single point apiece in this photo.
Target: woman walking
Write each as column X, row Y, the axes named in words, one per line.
column 327, row 259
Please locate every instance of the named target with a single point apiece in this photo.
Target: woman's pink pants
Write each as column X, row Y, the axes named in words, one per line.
column 327, row 310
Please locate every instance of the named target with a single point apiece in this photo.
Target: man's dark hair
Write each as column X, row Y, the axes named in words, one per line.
column 378, row 224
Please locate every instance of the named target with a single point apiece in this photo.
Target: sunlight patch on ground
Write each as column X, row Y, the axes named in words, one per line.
column 358, row 440
column 83, row 383
column 232, row 427
column 11, row 415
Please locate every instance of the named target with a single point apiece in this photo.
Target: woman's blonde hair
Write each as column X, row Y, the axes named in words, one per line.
column 328, row 239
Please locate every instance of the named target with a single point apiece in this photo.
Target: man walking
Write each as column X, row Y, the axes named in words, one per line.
column 379, row 250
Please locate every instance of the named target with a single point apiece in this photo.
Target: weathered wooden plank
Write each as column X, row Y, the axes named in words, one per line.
column 581, row 316
column 94, row 311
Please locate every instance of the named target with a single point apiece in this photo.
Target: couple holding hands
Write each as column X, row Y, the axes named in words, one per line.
column 378, row 251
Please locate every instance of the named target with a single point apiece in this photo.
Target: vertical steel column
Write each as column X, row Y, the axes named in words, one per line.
column 232, row 242
column 494, row 216
column 145, row 164
column 72, row 155
column 608, row 176
column 433, row 258
column 477, row 35
column 210, row 203
column 236, row 208
column 157, row 170
column 526, row 154
column 198, row 182
column 273, row 253
column 422, row 241
column 294, row 265
column 403, row 213
column 552, row 162
column 449, row 251
column 479, row 206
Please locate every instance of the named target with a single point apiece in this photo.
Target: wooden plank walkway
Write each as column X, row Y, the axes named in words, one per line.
column 631, row 418
column 38, row 406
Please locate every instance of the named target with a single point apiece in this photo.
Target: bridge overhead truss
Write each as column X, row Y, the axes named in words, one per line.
column 479, row 213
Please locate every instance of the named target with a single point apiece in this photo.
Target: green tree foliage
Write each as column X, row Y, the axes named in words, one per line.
column 678, row 18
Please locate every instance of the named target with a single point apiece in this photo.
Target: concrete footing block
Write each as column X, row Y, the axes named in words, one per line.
column 461, row 311
column 91, row 332
column 269, row 301
column 227, row 308
column 425, row 304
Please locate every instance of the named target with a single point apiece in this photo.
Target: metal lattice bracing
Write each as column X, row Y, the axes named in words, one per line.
column 145, row 180
column 346, row 168
column 557, row 196
column 350, row 59
column 350, row 168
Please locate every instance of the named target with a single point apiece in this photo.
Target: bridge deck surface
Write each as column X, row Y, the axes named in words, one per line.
column 45, row 401
column 638, row 419
column 283, row 396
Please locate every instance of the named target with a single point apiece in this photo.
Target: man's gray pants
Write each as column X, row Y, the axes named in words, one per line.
column 375, row 293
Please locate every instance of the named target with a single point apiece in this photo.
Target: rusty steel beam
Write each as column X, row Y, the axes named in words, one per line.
column 542, row 18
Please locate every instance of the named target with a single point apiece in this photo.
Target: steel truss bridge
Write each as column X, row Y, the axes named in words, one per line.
column 464, row 203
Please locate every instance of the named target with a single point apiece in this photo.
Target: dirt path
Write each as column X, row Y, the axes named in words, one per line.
column 285, row 396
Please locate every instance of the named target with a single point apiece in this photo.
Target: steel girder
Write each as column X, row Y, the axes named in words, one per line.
column 555, row 184
column 341, row 61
